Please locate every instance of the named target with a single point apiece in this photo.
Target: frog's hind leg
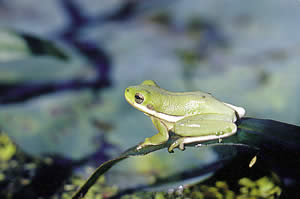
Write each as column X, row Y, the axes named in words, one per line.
column 201, row 128
column 159, row 138
column 180, row 142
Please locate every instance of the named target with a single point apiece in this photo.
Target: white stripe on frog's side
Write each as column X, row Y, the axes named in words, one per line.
column 168, row 118
column 173, row 118
column 240, row 110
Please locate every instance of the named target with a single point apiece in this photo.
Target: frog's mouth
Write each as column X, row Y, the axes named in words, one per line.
column 151, row 111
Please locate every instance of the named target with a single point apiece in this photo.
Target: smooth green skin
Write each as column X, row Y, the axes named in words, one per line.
column 195, row 116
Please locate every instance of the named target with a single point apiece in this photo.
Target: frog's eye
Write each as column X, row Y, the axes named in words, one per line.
column 139, row 98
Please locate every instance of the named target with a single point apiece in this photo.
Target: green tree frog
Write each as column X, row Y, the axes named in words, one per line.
column 194, row 116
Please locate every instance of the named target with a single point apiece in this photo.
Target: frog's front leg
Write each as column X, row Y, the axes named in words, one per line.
column 159, row 138
column 201, row 128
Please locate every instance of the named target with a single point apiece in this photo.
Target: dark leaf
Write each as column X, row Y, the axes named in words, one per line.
column 15, row 45
column 255, row 136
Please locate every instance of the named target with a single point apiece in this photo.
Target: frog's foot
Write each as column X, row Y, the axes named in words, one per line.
column 178, row 143
column 142, row 145
column 147, row 142
column 161, row 137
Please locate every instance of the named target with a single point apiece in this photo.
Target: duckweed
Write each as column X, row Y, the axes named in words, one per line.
column 264, row 187
column 7, row 148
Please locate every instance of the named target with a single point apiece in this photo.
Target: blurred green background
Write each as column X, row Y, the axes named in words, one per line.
column 64, row 66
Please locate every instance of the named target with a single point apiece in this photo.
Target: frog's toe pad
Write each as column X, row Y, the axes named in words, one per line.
column 181, row 146
column 139, row 147
column 170, row 151
column 142, row 145
column 177, row 143
column 147, row 142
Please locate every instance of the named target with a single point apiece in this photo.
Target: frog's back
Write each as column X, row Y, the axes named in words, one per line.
column 190, row 103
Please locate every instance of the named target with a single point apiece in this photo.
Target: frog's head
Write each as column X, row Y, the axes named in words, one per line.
column 142, row 96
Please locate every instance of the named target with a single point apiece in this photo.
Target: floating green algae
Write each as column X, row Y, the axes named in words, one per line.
column 7, row 148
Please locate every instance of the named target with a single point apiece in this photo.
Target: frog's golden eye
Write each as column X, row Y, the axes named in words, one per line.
column 139, row 98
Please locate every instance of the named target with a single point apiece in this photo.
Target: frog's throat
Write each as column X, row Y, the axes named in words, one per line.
column 163, row 116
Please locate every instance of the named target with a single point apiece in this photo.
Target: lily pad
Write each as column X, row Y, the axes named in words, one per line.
column 54, row 124
column 28, row 58
column 14, row 45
